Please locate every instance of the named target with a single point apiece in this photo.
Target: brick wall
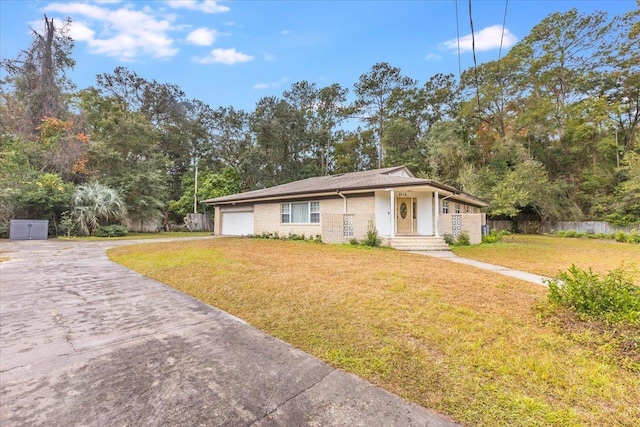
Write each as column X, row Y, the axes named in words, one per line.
column 331, row 226
column 471, row 223
column 266, row 217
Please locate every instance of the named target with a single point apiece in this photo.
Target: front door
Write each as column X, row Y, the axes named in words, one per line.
column 404, row 215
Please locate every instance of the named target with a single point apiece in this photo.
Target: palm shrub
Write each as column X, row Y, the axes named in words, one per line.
column 96, row 205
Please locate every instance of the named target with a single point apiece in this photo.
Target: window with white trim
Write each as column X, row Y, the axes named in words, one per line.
column 445, row 206
column 457, row 207
column 300, row 213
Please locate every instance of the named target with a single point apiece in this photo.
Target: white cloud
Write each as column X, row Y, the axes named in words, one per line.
column 285, row 32
column 433, row 57
column 269, row 57
column 224, row 56
column 486, row 39
column 125, row 33
column 206, row 6
column 202, row 36
column 270, row 85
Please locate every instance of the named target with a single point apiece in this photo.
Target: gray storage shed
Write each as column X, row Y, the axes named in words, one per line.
column 29, row 229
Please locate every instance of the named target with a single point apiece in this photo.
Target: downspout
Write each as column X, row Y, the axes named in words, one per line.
column 345, row 200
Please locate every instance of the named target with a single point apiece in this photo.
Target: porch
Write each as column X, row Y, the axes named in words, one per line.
column 418, row 217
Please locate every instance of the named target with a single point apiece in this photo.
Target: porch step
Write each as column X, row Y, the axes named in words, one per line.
column 418, row 243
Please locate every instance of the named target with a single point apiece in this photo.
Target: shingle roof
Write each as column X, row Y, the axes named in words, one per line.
column 371, row 179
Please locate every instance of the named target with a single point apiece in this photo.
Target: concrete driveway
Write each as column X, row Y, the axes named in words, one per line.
column 84, row 341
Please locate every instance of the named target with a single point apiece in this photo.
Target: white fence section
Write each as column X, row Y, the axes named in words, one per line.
column 537, row 227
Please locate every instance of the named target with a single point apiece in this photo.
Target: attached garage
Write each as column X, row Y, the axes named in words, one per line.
column 236, row 223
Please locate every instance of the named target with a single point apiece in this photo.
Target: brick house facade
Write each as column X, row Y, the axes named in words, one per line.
column 343, row 207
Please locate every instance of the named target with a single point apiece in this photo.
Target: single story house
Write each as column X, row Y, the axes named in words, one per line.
column 407, row 212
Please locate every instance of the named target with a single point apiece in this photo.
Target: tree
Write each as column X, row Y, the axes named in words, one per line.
column 210, row 185
column 124, row 154
column 37, row 79
column 356, row 151
column 558, row 58
column 283, row 143
column 446, row 152
column 331, row 111
column 628, row 192
column 374, row 90
column 621, row 83
column 528, row 186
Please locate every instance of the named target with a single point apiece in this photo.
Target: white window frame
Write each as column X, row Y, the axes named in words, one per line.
column 285, row 210
column 445, row 206
column 457, row 208
column 313, row 212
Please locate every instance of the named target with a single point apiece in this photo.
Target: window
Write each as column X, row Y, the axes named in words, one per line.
column 285, row 213
column 314, row 212
column 457, row 208
column 445, row 206
column 300, row 213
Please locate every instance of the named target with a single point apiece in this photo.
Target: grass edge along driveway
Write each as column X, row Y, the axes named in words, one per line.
column 455, row 339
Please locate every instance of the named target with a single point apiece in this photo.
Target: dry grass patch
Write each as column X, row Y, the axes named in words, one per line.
column 458, row 340
column 547, row 255
column 4, row 257
column 143, row 236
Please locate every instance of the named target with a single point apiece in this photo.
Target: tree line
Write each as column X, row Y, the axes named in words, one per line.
column 550, row 129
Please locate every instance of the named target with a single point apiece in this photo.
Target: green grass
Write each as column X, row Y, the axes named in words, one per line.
column 139, row 236
column 547, row 255
column 455, row 339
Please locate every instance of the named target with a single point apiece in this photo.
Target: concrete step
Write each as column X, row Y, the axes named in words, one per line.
column 419, row 243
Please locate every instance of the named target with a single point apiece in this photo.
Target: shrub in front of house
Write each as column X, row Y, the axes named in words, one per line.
column 372, row 238
column 463, row 239
column 449, row 239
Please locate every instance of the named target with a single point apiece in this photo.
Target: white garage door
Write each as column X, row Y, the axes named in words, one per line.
column 237, row 223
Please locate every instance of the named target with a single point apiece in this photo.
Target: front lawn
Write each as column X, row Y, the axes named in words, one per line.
column 458, row 340
column 546, row 255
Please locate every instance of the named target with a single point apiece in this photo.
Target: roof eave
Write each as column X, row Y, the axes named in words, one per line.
column 347, row 190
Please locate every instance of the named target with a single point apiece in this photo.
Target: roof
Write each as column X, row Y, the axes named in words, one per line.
column 387, row 178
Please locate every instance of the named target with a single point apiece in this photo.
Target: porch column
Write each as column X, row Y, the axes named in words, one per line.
column 437, row 214
column 392, row 213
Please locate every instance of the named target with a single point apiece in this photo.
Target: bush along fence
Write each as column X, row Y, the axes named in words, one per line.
column 590, row 229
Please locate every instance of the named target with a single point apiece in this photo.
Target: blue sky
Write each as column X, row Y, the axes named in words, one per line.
column 235, row 52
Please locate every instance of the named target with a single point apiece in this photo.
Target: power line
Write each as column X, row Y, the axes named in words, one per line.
column 458, row 39
column 475, row 62
column 504, row 24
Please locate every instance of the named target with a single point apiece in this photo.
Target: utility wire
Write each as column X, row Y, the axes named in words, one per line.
column 458, row 39
column 475, row 62
column 504, row 24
